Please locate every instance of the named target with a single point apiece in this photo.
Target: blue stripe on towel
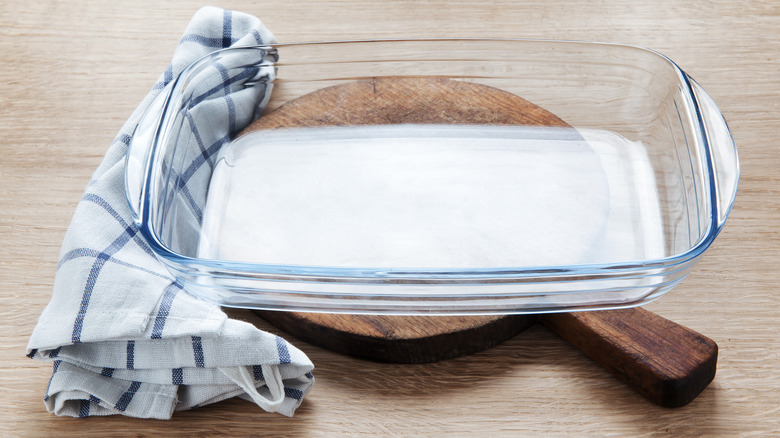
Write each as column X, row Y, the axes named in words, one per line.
column 199, row 140
column 293, row 393
column 281, row 348
column 84, row 409
column 257, row 371
column 165, row 308
column 55, row 367
column 257, row 37
column 128, row 234
column 130, row 355
column 215, row 43
column 91, row 197
column 123, row 138
column 227, row 28
column 241, row 76
column 200, row 159
column 177, row 376
column 88, row 252
column 197, row 350
column 127, row 397
column 139, row 240
column 231, row 106
column 168, row 75
column 78, row 325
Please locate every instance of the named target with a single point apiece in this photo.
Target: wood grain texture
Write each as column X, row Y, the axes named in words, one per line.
column 83, row 66
column 390, row 101
column 665, row 362
column 400, row 339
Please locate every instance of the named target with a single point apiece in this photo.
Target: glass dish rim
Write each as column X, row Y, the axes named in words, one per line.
column 232, row 268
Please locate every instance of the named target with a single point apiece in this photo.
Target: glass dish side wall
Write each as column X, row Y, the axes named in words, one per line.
column 209, row 106
column 630, row 91
column 635, row 93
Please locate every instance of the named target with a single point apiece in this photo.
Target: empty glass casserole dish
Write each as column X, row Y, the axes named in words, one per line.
column 609, row 206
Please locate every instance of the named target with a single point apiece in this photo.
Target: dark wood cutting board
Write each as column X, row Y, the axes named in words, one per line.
column 667, row 363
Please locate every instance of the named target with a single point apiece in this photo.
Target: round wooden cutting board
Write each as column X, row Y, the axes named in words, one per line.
column 667, row 363
column 392, row 338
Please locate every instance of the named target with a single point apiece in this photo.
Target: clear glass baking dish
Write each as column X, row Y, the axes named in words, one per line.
column 611, row 210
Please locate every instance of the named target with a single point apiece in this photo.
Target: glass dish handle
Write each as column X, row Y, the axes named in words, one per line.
column 139, row 154
column 723, row 152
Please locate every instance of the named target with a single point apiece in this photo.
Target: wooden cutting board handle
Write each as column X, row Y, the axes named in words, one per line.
column 665, row 362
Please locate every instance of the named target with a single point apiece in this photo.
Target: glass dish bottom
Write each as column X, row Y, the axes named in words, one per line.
column 432, row 196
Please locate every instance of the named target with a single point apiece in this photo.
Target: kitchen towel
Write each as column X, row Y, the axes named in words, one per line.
column 123, row 336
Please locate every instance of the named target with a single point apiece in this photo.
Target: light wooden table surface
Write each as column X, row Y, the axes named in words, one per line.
column 72, row 72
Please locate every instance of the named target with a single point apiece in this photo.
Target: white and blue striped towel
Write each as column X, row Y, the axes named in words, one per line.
column 123, row 336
